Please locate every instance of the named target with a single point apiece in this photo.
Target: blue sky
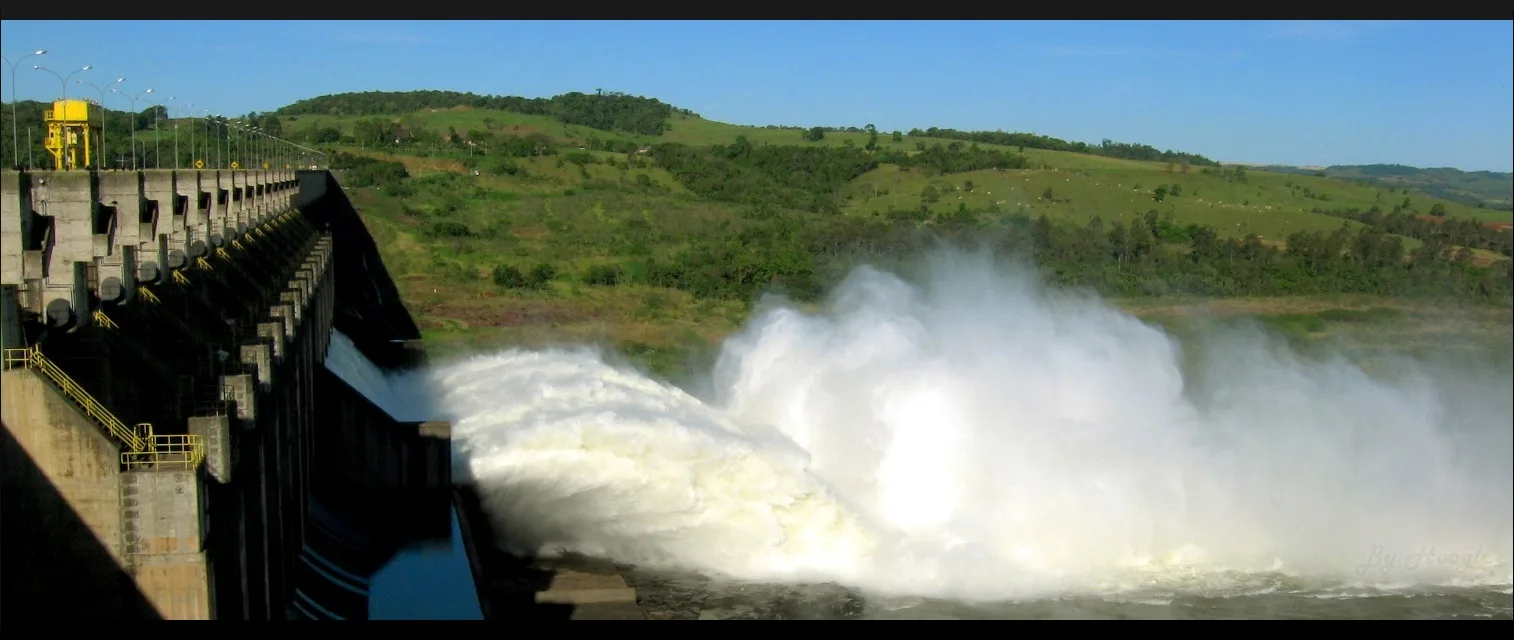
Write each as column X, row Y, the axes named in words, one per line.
column 1424, row 93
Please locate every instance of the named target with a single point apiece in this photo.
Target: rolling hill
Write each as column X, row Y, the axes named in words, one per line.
column 1488, row 189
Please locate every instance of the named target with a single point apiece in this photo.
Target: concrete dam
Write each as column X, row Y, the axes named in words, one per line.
column 174, row 447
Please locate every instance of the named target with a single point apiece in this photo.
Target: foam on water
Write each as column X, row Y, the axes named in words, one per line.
column 978, row 437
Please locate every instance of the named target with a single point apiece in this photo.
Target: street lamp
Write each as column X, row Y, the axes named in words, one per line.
column 175, row 137
column 15, row 137
column 243, row 137
column 257, row 145
column 100, row 162
column 63, row 82
column 205, row 115
column 193, row 149
column 179, row 117
column 220, row 133
column 133, row 100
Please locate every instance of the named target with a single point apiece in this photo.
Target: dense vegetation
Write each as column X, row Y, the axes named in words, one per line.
column 607, row 111
column 602, row 216
column 1433, row 227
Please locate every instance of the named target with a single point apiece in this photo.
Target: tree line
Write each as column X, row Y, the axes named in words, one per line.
column 606, row 111
column 1149, row 256
column 794, row 177
column 1434, row 227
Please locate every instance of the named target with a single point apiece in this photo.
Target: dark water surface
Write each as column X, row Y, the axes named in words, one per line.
column 430, row 582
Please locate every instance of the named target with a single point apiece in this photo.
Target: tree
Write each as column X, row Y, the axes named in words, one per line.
column 898, row 137
column 1160, row 194
column 814, row 134
column 271, row 125
column 872, row 137
column 929, row 194
column 967, row 185
column 541, row 275
column 1438, row 210
column 509, row 277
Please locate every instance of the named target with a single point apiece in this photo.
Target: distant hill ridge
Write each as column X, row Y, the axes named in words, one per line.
column 615, row 111
column 1490, row 189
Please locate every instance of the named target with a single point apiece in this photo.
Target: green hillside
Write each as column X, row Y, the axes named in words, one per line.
column 1483, row 189
column 627, row 221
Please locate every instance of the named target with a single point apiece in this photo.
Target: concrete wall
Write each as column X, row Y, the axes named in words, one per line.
column 124, row 225
column 163, row 541
column 369, row 309
column 292, row 507
column 61, row 480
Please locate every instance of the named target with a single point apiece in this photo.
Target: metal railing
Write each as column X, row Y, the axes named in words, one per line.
column 186, row 451
column 143, row 448
column 104, row 320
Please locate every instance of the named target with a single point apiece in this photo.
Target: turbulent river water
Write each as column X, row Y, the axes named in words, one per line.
column 967, row 444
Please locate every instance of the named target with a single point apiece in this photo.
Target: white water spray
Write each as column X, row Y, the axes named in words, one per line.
column 981, row 438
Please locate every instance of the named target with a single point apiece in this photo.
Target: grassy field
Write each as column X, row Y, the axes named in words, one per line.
column 552, row 212
column 699, row 132
column 447, row 287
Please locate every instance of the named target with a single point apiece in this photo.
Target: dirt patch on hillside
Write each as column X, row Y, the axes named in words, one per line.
column 418, row 165
column 415, row 165
column 1248, row 306
column 511, row 312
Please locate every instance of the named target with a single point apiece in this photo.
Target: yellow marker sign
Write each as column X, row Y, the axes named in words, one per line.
column 266, row 165
column 234, row 165
column 199, row 164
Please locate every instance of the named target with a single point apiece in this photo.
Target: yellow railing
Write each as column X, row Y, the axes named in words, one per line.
column 34, row 359
column 186, row 451
column 143, row 448
column 104, row 320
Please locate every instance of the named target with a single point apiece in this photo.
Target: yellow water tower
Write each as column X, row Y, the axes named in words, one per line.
column 68, row 134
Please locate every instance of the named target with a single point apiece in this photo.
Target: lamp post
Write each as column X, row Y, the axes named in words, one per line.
column 133, row 100
column 244, row 137
column 205, row 115
column 103, row 156
column 220, row 133
column 63, row 82
column 157, row 163
column 190, row 111
column 258, row 146
column 175, row 136
column 15, row 137
column 178, row 117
